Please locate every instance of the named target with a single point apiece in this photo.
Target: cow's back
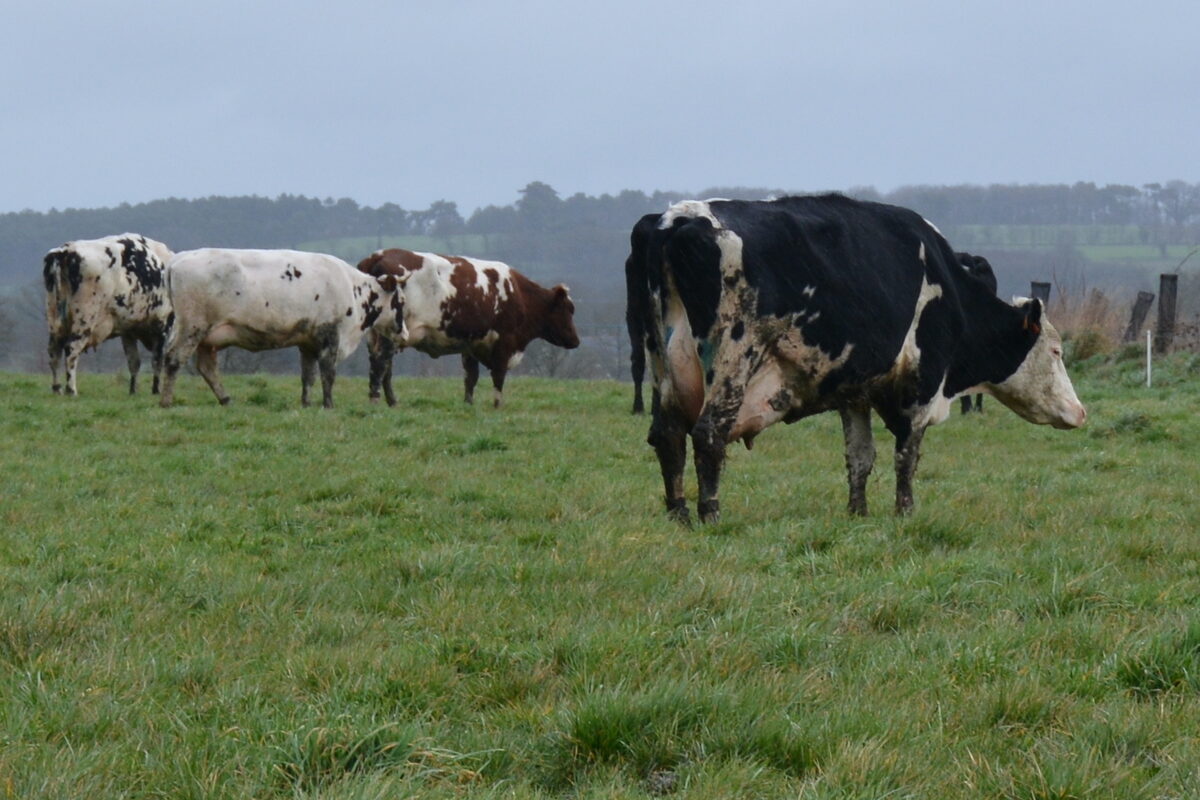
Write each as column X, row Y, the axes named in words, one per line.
column 261, row 299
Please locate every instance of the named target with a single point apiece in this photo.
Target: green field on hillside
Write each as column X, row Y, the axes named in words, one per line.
column 439, row 600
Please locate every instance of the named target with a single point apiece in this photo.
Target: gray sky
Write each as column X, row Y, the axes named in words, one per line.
column 134, row 100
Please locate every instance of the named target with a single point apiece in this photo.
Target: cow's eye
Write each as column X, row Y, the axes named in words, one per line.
column 1057, row 351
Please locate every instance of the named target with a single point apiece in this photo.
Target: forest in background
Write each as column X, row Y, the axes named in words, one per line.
column 1080, row 237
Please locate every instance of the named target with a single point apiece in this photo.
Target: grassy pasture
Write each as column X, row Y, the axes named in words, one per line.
column 440, row 601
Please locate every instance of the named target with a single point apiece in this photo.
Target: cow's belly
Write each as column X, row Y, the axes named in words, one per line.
column 764, row 403
column 229, row 334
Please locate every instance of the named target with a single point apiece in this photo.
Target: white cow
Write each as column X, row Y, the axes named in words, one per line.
column 100, row 288
column 270, row 299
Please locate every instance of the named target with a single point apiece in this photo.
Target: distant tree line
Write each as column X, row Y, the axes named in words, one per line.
column 1031, row 232
column 546, row 228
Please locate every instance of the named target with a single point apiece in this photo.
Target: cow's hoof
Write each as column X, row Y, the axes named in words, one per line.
column 391, row 402
column 710, row 511
column 56, row 388
column 679, row 513
column 226, row 401
column 374, row 399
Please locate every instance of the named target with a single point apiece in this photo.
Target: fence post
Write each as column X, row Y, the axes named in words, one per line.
column 1168, row 288
column 1040, row 290
column 1148, row 359
column 1141, row 307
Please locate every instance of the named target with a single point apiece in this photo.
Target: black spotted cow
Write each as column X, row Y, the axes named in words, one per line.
column 776, row 310
column 484, row 310
column 979, row 268
column 271, row 299
column 100, row 288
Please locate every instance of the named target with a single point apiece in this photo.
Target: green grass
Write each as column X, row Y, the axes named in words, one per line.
column 438, row 600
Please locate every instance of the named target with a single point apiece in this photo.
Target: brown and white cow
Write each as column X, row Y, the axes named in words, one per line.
column 484, row 310
column 271, row 299
column 100, row 288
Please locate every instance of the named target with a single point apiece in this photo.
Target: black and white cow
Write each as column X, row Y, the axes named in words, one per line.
column 100, row 288
column 776, row 310
column 270, row 299
column 979, row 268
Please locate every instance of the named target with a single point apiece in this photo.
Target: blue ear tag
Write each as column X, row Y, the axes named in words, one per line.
column 708, row 353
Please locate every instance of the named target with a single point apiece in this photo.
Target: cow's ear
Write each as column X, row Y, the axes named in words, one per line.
column 1033, row 316
column 561, row 292
column 388, row 282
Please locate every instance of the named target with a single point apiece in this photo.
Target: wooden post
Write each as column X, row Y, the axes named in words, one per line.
column 1141, row 307
column 1040, row 290
column 1168, row 287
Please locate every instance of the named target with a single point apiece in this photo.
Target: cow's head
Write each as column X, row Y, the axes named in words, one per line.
column 559, row 326
column 390, row 322
column 1040, row 390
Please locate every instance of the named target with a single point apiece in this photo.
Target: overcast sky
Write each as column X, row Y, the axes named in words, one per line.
column 132, row 100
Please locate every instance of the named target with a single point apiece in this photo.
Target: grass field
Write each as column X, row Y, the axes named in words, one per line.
column 444, row 601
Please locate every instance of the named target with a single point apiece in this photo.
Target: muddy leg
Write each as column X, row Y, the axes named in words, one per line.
column 908, row 452
column 72, row 350
column 54, row 348
column 206, row 365
column 129, row 344
column 860, row 454
column 668, row 437
column 156, row 351
column 498, row 385
column 327, row 361
column 308, row 375
column 470, row 377
column 174, row 357
column 380, row 350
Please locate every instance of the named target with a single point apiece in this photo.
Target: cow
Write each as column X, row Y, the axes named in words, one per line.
column 484, row 310
column 979, row 268
column 764, row 311
column 271, row 299
column 100, row 288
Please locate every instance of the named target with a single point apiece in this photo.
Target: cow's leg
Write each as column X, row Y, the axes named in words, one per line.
column 860, row 454
column 206, row 365
column 155, row 346
column 668, row 437
column 637, row 369
column 470, row 376
column 979, row 403
column 388, row 394
column 71, row 354
column 908, row 452
column 327, row 361
column 380, row 350
column 308, row 375
column 174, row 357
column 54, row 348
column 129, row 344
column 965, row 403
column 708, row 451
column 498, row 384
